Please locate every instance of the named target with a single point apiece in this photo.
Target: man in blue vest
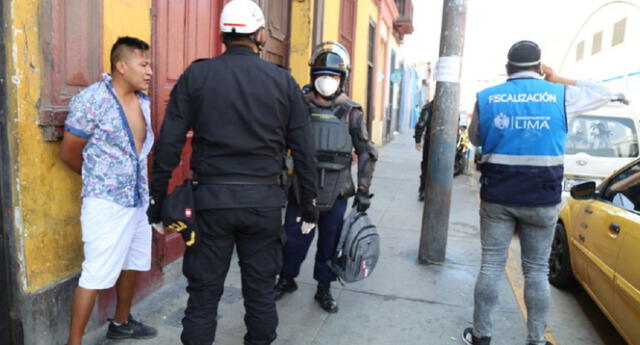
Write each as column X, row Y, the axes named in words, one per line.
column 522, row 127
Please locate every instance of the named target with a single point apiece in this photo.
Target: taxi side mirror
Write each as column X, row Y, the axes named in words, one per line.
column 584, row 191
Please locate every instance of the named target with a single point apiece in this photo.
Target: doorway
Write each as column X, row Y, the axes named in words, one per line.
column 371, row 89
column 183, row 31
column 277, row 14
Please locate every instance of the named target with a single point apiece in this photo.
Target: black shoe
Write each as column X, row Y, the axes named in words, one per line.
column 547, row 343
column 421, row 196
column 285, row 285
column 130, row 329
column 323, row 296
column 470, row 339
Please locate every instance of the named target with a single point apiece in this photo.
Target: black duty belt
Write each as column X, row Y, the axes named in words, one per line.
column 206, row 180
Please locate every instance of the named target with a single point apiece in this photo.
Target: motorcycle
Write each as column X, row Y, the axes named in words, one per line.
column 461, row 162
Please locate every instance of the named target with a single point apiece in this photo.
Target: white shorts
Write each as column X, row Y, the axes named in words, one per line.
column 115, row 238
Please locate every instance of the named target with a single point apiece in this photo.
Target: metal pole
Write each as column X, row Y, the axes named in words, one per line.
column 442, row 147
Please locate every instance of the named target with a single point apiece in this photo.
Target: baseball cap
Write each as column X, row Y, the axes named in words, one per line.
column 524, row 54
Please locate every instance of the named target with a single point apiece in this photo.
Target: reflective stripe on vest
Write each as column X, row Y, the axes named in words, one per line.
column 523, row 129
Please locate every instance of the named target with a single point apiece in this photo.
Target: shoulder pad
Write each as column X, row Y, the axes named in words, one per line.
column 353, row 104
column 281, row 66
column 200, row 60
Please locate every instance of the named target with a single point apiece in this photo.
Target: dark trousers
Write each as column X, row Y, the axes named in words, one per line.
column 297, row 244
column 423, row 166
column 257, row 234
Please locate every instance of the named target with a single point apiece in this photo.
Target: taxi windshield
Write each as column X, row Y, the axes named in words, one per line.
column 602, row 136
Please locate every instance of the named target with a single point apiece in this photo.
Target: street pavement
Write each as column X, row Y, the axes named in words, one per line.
column 401, row 303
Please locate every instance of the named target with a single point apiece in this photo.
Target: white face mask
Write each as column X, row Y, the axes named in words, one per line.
column 326, row 86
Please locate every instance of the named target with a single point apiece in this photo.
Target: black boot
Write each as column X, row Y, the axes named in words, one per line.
column 285, row 285
column 323, row 296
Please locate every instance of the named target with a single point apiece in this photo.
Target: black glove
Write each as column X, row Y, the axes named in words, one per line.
column 362, row 200
column 154, row 211
column 309, row 212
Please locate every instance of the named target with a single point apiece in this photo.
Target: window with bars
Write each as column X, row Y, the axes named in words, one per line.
column 72, row 46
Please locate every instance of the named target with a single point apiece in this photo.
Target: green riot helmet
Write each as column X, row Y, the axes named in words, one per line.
column 330, row 58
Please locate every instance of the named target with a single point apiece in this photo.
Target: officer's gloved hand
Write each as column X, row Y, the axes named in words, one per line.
column 362, row 200
column 309, row 212
column 154, row 211
column 309, row 215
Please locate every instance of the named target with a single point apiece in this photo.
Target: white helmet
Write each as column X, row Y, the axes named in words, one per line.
column 241, row 17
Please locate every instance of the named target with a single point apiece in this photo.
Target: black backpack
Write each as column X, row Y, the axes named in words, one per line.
column 358, row 248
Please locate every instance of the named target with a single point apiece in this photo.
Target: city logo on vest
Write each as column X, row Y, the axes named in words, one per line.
column 501, row 121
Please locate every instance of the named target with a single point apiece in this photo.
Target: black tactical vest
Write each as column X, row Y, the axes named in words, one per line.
column 334, row 146
column 331, row 133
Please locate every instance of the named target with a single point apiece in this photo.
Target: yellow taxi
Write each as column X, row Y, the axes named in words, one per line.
column 597, row 243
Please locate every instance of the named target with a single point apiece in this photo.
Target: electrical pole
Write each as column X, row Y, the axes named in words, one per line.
column 442, row 146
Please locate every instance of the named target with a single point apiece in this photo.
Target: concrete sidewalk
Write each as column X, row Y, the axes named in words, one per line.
column 402, row 303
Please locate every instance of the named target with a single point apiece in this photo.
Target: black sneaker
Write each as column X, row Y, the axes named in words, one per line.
column 323, row 296
column 470, row 339
column 285, row 285
column 547, row 343
column 130, row 329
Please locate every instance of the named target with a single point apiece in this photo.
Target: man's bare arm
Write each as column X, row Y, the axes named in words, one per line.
column 552, row 76
column 71, row 151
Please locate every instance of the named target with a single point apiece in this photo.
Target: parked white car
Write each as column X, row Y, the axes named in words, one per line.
column 600, row 142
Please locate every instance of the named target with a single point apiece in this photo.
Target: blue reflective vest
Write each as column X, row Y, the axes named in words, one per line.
column 523, row 129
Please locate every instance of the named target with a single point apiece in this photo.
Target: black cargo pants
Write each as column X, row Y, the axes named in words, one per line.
column 424, row 165
column 257, row 234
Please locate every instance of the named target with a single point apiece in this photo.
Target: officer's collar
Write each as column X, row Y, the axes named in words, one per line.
column 525, row 75
column 239, row 49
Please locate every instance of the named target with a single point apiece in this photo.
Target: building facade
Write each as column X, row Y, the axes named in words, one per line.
column 603, row 48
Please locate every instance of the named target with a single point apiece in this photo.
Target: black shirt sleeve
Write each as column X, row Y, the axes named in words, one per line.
column 168, row 148
column 367, row 153
column 421, row 125
column 299, row 140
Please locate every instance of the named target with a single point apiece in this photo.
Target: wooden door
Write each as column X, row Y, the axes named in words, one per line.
column 277, row 13
column 347, row 35
column 183, row 31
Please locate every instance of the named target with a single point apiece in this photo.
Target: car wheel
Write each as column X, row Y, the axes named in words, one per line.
column 560, row 274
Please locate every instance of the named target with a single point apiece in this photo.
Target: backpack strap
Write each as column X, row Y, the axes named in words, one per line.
column 351, row 219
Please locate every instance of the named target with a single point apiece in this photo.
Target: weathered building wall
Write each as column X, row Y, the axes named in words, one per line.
column 125, row 18
column 331, row 25
column 46, row 194
column 302, row 22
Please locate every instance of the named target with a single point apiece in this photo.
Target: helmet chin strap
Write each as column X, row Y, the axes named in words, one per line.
column 258, row 44
column 254, row 38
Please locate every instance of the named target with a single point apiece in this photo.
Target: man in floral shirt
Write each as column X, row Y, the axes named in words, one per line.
column 107, row 139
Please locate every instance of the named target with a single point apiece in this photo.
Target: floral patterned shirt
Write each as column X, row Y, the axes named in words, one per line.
column 112, row 169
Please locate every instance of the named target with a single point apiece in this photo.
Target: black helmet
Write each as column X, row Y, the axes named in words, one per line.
column 330, row 58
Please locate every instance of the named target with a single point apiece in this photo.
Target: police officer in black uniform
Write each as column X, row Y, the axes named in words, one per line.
column 338, row 128
column 244, row 113
column 422, row 134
